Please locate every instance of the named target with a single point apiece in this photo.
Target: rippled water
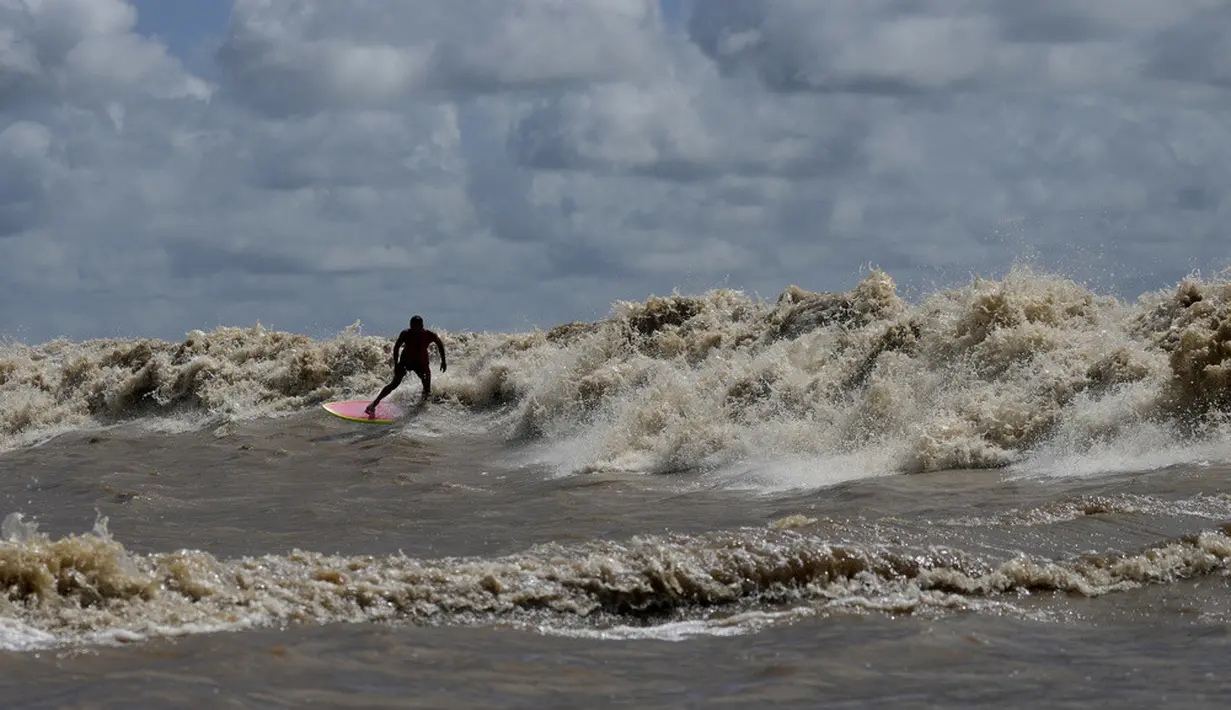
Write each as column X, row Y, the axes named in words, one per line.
column 397, row 567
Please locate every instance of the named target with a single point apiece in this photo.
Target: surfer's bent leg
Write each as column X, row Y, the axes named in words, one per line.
column 398, row 373
column 425, row 376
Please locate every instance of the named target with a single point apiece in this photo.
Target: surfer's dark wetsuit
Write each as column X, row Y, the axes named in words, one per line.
column 413, row 344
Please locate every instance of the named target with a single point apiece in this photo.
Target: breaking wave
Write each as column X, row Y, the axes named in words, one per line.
column 90, row 589
column 982, row 376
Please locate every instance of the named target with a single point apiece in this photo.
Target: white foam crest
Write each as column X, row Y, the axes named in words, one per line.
column 973, row 377
column 1146, row 446
column 911, row 600
column 734, row 625
column 791, row 473
column 1032, row 371
column 179, row 423
column 89, row 589
column 16, row 636
column 444, row 419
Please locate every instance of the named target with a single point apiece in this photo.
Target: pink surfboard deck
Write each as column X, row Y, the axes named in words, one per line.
column 386, row 412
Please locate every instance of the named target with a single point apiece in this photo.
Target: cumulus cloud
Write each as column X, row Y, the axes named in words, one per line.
column 295, row 57
column 893, row 48
column 505, row 163
column 80, row 49
column 685, row 129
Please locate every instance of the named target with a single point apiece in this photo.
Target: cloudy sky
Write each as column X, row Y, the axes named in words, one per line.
column 505, row 164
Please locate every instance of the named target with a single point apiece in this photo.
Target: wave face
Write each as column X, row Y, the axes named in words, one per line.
column 89, row 588
column 991, row 374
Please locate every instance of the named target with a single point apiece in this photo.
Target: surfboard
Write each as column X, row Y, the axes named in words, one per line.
column 352, row 410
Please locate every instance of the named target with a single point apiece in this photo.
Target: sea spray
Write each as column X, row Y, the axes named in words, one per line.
column 984, row 376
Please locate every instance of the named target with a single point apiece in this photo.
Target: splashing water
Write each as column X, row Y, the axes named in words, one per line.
column 1029, row 368
column 89, row 588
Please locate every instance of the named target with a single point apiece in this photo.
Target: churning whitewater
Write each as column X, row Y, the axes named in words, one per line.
column 89, row 588
column 983, row 376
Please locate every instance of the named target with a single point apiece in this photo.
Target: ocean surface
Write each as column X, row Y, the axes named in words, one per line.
column 1013, row 493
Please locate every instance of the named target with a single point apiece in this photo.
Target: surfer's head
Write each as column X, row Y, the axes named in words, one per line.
column 416, row 322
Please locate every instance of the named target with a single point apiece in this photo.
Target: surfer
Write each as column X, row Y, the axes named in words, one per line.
column 413, row 343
